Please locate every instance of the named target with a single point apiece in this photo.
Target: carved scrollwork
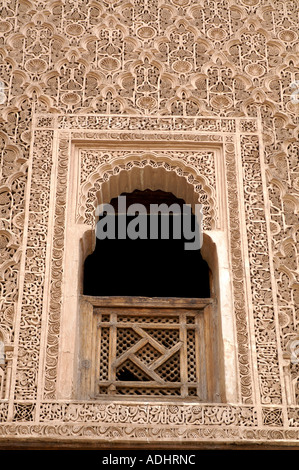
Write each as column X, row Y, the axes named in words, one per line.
column 202, row 70
column 97, row 168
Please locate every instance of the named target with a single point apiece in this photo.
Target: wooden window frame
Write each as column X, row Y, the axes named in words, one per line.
column 94, row 317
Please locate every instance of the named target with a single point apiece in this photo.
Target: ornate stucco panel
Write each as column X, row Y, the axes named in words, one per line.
column 220, row 79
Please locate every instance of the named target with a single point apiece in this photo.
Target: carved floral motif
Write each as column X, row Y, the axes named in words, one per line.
column 203, row 70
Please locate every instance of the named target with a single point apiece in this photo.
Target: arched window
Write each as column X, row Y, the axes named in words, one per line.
column 151, row 304
column 113, row 293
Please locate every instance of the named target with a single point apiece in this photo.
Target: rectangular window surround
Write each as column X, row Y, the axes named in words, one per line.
column 96, row 159
column 61, row 205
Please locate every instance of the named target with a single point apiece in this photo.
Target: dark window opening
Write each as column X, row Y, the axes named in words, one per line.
column 146, row 267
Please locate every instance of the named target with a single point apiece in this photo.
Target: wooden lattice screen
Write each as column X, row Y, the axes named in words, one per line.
column 151, row 349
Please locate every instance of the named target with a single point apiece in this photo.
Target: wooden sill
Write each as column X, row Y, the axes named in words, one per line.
column 149, row 302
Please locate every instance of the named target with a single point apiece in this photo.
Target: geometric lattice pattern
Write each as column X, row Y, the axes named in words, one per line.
column 151, row 354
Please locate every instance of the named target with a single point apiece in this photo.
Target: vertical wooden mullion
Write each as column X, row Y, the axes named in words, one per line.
column 183, row 356
column 198, row 365
column 98, row 352
column 112, row 348
column 201, row 356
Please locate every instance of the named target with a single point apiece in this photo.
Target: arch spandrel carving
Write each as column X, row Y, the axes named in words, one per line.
column 142, row 170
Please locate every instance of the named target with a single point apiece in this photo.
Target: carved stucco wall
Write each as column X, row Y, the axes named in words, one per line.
column 217, row 73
